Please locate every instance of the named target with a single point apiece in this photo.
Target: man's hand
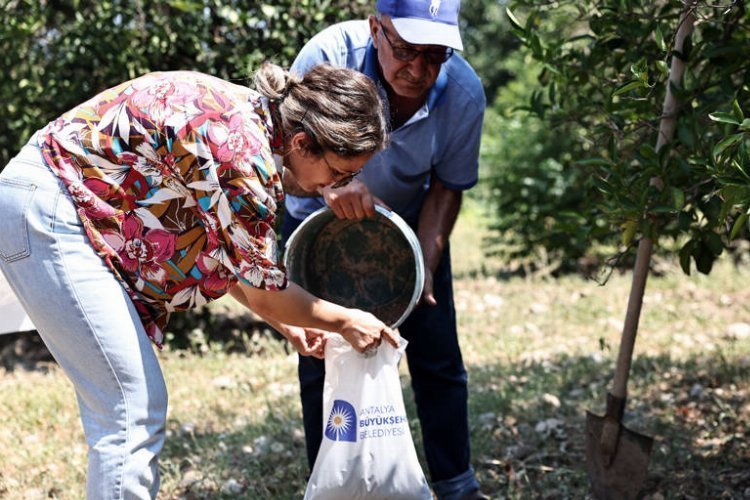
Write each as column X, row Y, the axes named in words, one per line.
column 427, row 292
column 353, row 201
column 439, row 212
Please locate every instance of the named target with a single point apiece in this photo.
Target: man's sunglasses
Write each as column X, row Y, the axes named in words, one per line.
column 406, row 54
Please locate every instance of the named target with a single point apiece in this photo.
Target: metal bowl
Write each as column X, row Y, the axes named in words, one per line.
column 373, row 264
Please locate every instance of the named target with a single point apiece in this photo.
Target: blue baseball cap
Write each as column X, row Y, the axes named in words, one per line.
column 425, row 22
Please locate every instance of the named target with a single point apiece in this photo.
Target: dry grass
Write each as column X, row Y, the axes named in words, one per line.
column 540, row 352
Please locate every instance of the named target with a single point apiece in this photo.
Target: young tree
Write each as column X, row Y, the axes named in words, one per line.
column 605, row 73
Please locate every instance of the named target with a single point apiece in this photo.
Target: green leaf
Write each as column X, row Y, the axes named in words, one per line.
column 513, row 21
column 737, row 110
column 714, row 243
column 186, row 6
column 602, row 185
column 647, row 151
column 663, row 209
column 704, row 262
column 536, row 46
column 678, row 198
column 684, row 220
column 685, row 252
column 725, row 143
column 724, row 118
column 745, row 125
column 704, row 259
column 660, row 39
column 628, row 232
column 635, row 84
column 737, row 226
column 736, row 165
column 594, row 162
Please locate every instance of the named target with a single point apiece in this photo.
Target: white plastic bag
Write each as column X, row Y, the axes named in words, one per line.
column 367, row 450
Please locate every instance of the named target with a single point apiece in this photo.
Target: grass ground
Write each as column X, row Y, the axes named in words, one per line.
column 539, row 352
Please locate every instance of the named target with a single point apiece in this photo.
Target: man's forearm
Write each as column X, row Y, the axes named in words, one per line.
column 439, row 212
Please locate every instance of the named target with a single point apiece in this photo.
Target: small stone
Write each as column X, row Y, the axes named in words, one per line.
column 696, row 391
column 493, row 300
column 738, row 330
column 298, row 435
column 222, row 382
column 516, row 329
column 260, row 444
column 487, row 419
column 548, row 425
column 538, row 308
column 231, row 487
column 551, row 400
column 190, row 478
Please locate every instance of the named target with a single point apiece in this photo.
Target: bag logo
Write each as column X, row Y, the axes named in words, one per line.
column 434, row 7
column 341, row 423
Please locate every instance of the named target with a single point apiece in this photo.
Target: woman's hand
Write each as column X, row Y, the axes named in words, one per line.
column 363, row 331
column 307, row 341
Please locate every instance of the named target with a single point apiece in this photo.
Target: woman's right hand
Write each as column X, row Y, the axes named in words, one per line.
column 363, row 331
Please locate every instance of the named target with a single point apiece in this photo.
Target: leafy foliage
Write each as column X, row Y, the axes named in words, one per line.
column 489, row 44
column 535, row 192
column 604, row 68
column 529, row 179
column 56, row 54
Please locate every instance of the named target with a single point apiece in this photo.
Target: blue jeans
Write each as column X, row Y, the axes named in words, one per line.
column 90, row 326
column 438, row 378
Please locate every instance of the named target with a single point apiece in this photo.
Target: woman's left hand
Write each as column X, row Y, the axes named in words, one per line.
column 307, row 341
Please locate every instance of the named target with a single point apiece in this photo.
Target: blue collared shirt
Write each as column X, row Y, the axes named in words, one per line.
column 441, row 139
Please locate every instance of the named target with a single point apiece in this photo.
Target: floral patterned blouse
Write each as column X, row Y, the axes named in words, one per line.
column 175, row 181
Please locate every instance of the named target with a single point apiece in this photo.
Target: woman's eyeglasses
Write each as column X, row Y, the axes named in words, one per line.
column 344, row 178
column 406, row 54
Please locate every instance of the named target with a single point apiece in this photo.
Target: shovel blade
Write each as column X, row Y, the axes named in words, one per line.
column 621, row 476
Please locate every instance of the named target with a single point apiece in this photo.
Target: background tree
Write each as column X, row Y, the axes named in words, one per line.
column 528, row 175
column 56, row 54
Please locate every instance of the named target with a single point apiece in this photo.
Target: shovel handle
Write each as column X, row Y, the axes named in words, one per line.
column 635, row 301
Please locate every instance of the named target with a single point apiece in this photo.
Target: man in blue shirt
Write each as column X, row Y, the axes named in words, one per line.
column 436, row 104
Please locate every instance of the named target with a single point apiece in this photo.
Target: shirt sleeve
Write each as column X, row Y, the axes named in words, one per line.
column 458, row 167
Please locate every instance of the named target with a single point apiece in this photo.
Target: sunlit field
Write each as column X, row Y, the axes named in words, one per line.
column 540, row 352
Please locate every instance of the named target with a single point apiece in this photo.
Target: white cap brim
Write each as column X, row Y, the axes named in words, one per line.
column 423, row 32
